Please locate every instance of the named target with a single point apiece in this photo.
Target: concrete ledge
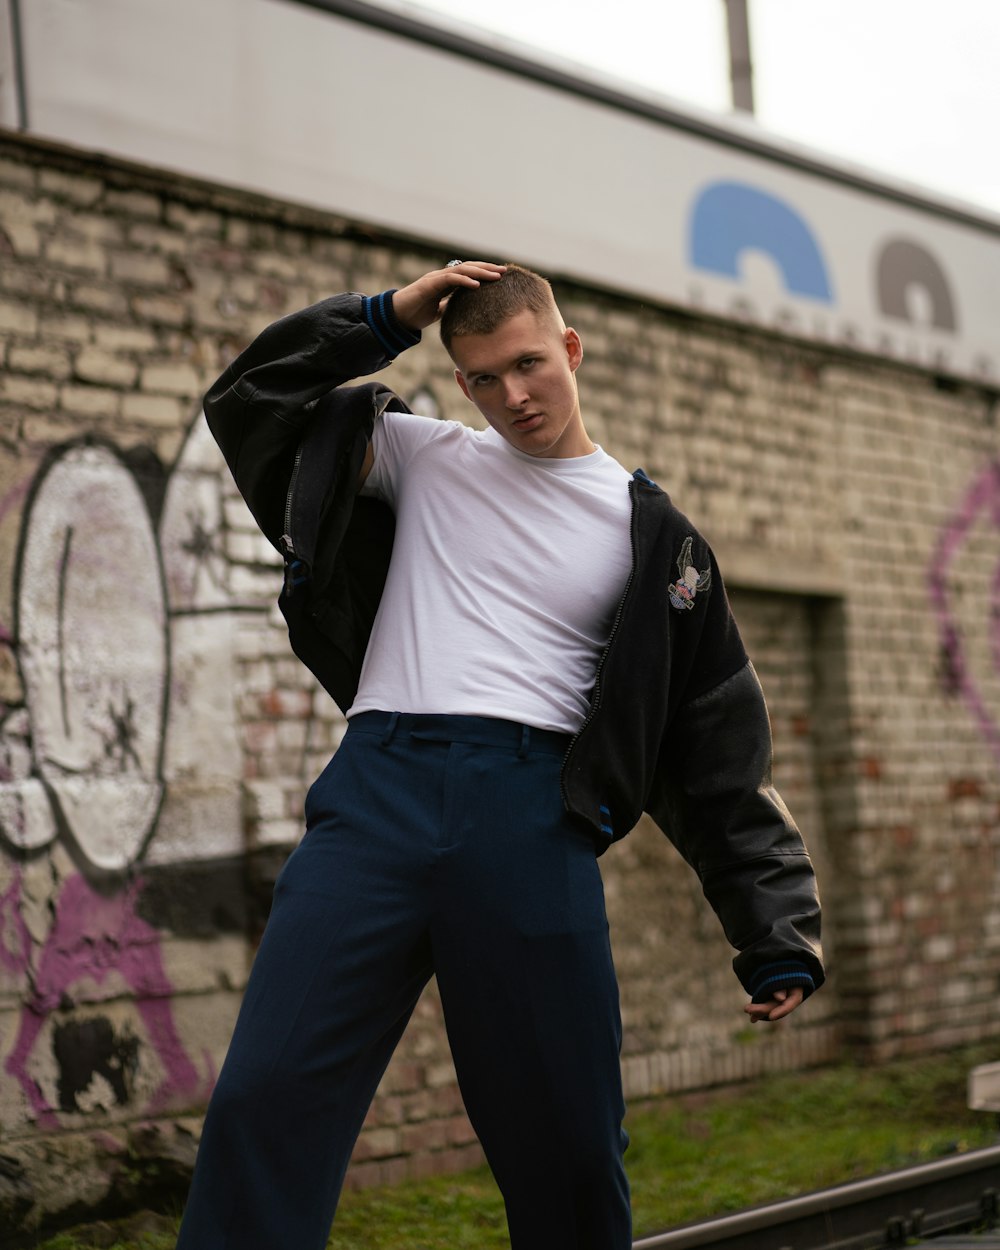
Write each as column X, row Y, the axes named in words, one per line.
column 767, row 568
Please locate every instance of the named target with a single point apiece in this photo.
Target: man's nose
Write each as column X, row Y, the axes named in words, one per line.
column 515, row 393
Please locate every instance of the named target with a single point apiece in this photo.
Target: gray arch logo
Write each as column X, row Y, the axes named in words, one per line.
column 903, row 266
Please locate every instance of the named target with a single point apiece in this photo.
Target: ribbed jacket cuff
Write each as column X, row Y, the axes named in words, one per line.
column 383, row 323
column 788, row 975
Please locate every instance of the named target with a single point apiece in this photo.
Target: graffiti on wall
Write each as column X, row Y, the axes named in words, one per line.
column 122, row 755
column 971, row 656
column 96, row 938
column 93, row 653
column 125, row 758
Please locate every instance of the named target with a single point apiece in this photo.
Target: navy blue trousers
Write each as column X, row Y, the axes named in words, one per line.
column 434, row 845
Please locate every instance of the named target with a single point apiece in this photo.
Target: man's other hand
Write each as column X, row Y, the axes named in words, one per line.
column 422, row 302
column 782, row 1004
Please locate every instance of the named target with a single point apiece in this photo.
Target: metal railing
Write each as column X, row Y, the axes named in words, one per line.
column 921, row 1201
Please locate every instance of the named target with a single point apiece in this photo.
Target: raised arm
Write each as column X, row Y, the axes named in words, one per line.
column 258, row 406
column 420, row 304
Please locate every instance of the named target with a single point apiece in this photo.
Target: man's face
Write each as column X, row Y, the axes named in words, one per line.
column 521, row 378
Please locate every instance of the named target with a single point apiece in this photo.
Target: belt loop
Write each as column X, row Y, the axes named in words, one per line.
column 522, row 750
column 390, row 729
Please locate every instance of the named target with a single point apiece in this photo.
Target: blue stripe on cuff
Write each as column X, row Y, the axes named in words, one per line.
column 383, row 306
column 384, row 324
column 790, row 973
column 787, row 977
column 368, row 306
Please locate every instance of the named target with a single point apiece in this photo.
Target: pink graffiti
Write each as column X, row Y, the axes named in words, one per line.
column 981, row 501
column 93, row 937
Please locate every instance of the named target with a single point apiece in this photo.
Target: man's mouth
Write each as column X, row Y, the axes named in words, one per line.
column 528, row 421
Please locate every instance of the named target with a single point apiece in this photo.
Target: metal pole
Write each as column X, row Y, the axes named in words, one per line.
column 17, row 53
column 740, row 63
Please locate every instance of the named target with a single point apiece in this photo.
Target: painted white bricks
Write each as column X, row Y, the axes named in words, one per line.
column 76, row 188
column 125, row 338
column 74, row 253
column 17, row 319
column 153, row 410
column 52, row 362
column 94, row 365
column 174, row 378
column 132, row 204
column 140, row 269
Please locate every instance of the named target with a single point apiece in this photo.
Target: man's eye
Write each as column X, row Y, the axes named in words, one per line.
column 484, row 379
column 528, row 362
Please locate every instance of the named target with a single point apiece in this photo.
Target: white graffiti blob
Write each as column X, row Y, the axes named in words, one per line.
column 202, row 812
column 94, row 652
column 192, row 526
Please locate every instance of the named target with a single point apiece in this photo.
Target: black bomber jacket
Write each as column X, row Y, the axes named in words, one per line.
column 677, row 724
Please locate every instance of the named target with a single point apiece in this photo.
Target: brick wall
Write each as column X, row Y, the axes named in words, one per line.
column 157, row 736
column 916, row 858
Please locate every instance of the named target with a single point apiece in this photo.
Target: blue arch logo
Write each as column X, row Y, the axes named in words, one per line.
column 730, row 219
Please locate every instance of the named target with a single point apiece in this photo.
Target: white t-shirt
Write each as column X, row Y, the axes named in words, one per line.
column 505, row 575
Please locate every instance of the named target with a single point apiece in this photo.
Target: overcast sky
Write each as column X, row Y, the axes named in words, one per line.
column 909, row 88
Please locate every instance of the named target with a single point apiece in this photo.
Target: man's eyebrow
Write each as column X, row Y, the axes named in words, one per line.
column 527, row 354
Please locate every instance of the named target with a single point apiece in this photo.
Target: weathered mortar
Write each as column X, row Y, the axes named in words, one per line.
column 855, row 512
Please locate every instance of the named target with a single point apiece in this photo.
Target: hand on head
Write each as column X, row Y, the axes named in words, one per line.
column 422, row 302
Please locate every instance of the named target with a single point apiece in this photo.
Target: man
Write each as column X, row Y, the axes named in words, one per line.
column 532, row 647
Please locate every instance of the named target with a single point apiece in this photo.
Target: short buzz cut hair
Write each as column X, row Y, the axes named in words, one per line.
column 484, row 308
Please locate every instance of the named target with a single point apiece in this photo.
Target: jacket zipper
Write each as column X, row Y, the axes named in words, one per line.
column 285, row 542
column 595, row 703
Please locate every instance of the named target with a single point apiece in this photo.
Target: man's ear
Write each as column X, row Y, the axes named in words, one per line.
column 462, row 385
column 574, row 348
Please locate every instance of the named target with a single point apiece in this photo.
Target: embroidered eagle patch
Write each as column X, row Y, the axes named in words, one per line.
column 683, row 591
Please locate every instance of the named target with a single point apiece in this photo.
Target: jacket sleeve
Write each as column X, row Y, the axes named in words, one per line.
column 714, row 798
column 257, row 408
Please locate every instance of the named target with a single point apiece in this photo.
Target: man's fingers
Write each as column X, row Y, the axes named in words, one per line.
column 484, row 268
column 782, row 1004
column 422, row 302
column 468, row 273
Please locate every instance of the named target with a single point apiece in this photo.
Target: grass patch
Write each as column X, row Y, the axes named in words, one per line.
column 691, row 1157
